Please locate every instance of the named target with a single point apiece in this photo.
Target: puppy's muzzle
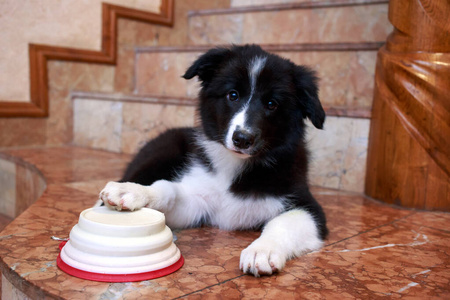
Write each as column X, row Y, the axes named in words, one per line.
column 243, row 139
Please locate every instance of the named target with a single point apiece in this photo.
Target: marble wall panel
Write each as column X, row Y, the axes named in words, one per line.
column 63, row 78
column 360, row 23
column 7, row 188
column 346, row 77
column 142, row 122
column 239, row 3
column 159, row 73
column 97, row 124
column 15, row 132
column 338, row 153
column 122, row 126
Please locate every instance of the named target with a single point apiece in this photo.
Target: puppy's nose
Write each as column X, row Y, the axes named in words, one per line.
column 243, row 139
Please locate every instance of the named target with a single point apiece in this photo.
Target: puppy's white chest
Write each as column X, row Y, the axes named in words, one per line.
column 209, row 191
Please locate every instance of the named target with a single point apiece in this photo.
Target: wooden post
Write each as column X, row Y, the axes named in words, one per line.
column 409, row 143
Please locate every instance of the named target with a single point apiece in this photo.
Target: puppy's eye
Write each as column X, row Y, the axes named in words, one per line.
column 271, row 105
column 233, row 95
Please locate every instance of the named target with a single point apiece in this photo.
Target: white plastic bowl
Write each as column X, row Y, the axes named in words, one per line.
column 108, row 242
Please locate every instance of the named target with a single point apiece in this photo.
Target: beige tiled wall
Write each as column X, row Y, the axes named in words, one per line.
column 361, row 23
column 338, row 153
column 122, row 126
column 346, row 77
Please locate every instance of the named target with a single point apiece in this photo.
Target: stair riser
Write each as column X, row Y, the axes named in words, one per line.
column 346, row 76
column 338, row 152
column 359, row 23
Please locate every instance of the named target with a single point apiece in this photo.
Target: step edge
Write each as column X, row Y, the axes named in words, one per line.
column 285, row 6
column 334, row 111
column 300, row 47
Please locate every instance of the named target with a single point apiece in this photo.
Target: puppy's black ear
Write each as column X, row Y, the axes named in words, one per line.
column 207, row 64
column 308, row 94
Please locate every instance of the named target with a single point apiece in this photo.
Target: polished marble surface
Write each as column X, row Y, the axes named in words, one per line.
column 346, row 77
column 338, row 153
column 352, row 23
column 373, row 251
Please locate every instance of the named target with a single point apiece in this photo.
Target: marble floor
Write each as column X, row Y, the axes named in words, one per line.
column 373, row 250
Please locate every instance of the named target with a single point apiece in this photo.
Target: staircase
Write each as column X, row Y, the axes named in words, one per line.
column 119, row 108
column 339, row 39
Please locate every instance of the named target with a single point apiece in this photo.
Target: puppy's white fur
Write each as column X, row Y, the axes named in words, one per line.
column 200, row 194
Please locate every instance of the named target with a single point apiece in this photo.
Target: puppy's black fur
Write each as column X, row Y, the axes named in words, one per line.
column 284, row 96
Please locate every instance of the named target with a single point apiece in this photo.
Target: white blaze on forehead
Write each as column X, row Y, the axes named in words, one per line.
column 239, row 119
column 255, row 68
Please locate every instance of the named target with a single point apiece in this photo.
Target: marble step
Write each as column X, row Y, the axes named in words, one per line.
column 123, row 123
column 346, row 72
column 356, row 21
column 4, row 221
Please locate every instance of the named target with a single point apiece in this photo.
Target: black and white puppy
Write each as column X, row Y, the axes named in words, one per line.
column 245, row 167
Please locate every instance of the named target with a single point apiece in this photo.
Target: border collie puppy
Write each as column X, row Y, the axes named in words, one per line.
column 245, row 167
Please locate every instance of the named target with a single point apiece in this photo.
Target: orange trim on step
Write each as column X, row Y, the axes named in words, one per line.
column 40, row 54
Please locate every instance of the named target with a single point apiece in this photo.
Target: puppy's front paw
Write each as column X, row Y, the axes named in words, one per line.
column 124, row 195
column 262, row 258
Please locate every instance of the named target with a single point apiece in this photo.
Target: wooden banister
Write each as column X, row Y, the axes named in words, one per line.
column 409, row 144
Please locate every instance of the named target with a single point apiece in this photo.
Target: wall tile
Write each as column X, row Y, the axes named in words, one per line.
column 338, row 153
column 360, row 23
column 142, row 122
column 98, row 124
column 160, row 73
column 16, row 132
column 346, row 77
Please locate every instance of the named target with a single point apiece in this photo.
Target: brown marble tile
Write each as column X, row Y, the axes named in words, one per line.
column 15, row 132
column 72, row 164
column 350, row 214
column 159, row 73
column 434, row 220
column 358, row 23
column 204, row 30
column 124, row 74
column 59, row 124
column 394, row 261
column 92, row 186
column 346, row 77
column 239, row 3
column 374, row 250
column 80, row 76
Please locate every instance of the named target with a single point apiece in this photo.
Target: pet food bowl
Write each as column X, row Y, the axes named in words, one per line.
column 119, row 246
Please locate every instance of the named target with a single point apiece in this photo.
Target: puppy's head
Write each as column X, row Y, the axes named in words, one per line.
column 252, row 101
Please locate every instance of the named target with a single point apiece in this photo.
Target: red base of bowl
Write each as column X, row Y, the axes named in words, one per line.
column 118, row 277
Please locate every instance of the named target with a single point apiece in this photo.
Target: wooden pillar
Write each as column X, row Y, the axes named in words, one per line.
column 409, row 143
